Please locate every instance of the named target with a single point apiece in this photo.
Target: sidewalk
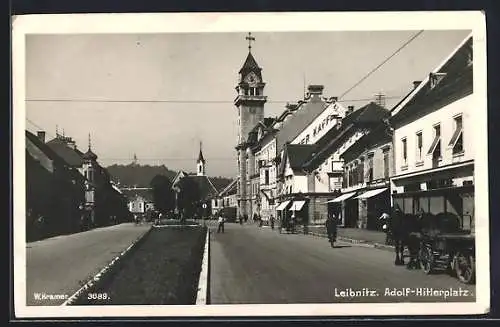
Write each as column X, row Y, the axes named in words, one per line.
column 375, row 239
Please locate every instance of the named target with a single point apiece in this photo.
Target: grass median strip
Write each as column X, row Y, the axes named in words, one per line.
column 163, row 269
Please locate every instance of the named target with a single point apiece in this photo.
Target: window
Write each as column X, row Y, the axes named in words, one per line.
column 419, row 146
column 369, row 172
column 361, row 171
column 435, row 78
column 405, row 151
column 386, row 164
column 266, row 177
column 457, row 139
column 435, row 148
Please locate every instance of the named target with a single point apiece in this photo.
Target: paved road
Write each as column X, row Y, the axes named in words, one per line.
column 252, row 265
column 58, row 265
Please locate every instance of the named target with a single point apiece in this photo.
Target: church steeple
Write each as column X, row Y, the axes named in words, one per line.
column 200, row 164
column 89, row 155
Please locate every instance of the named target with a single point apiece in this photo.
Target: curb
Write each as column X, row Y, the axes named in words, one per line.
column 202, row 295
column 360, row 242
column 100, row 275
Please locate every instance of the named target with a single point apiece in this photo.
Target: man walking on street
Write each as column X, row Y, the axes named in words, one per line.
column 331, row 229
column 220, row 228
column 271, row 220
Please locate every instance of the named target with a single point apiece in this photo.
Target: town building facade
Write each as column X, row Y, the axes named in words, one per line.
column 433, row 143
column 367, row 165
column 92, row 201
column 348, row 131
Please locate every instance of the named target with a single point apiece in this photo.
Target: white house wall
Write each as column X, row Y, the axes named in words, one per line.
column 445, row 117
column 321, row 183
column 321, row 124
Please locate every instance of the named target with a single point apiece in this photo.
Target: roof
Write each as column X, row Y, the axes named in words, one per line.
column 299, row 121
column 207, row 189
column 458, row 79
column 51, row 154
column 376, row 136
column 368, row 116
column 89, row 155
column 250, row 65
column 296, row 155
column 205, row 185
column 229, row 189
column 69, row 155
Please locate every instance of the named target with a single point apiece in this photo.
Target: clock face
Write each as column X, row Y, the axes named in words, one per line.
column 251, row 78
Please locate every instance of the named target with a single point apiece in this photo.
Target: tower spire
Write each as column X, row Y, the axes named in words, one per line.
column 250, row 38
column 200, row 164
column 90, row 143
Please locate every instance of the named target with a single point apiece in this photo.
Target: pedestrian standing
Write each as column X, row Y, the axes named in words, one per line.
column 271, row 220
column 220, row 228
column 384, row 218
column 331, row 229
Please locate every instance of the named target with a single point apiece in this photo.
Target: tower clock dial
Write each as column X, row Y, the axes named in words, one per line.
column 252, row 78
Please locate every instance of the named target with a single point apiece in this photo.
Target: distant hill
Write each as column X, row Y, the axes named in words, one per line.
column 138, row 175
column 141, row 175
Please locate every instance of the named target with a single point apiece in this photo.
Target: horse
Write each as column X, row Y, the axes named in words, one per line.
column 401, row 227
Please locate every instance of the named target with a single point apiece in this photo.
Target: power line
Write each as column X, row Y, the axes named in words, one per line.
column 167, row 159
column 382, row 63
column 174, row 101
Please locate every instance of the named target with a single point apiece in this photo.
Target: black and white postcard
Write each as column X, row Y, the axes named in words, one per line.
column 264, row 164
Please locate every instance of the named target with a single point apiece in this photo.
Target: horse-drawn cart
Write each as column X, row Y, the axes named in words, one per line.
column 444, row 245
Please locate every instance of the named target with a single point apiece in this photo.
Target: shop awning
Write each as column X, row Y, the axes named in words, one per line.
column 370, row 193
column 297, row 205
column 343, row 197
column 282, row 205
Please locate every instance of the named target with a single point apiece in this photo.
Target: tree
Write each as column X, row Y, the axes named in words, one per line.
column 163, row 194
column 188, row 196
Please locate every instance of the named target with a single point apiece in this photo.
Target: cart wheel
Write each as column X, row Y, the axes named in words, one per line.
column 427, row 260
column 465, row 268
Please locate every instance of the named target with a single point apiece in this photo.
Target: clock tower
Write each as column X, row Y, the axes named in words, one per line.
column 249, row 102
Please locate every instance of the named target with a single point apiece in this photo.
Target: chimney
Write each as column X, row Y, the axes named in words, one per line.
column 291, row 106
column 416, row 84
column 41, row 136
column 315, row 89
column 334, row 99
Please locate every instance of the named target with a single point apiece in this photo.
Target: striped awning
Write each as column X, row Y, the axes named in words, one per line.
column 282, row 205
column 297, row 205
column 370, row 193
column 343, row 197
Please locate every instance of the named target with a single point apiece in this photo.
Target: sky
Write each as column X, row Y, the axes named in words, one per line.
column 159, row 95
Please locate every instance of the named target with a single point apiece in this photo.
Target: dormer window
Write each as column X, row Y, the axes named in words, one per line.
column 435, row 78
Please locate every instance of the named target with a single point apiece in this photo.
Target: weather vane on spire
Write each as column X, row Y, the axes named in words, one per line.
column 250, row 38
